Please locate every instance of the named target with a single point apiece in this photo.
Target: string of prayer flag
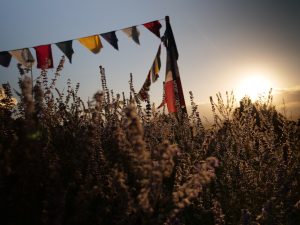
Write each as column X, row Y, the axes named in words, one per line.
column 173, row 92
column 154, row 74
column 93, row 43
column 156, row 66
column 144, row 92
column 173, row 87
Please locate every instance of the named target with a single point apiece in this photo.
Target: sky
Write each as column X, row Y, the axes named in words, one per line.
column 224, row 45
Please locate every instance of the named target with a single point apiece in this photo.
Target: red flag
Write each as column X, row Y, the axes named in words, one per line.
column 173, row 87
column 44, row 56
column 154, row 27
column 170, row 98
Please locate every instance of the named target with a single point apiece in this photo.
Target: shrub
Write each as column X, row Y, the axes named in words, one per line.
column 113, row 161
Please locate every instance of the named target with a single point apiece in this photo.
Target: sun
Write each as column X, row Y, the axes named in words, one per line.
column 254, row 84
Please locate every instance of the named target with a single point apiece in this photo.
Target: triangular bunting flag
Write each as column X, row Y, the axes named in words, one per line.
column 132, row 32
column 154, row 27
column 93, row 43
column 156, row 66
column 44, row 56
column 66, row 48
column 23, row 56
column 5, row 58
column 111, row 38
column 143, row 93
column 26, row 53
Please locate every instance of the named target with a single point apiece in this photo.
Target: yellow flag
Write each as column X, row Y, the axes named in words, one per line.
column 156, row 67
column 93, row 43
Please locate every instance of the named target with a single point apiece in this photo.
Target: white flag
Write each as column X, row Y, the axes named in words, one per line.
column 132, row 32
column 24, row 56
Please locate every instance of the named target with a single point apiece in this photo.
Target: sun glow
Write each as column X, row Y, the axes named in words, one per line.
column 254, row 85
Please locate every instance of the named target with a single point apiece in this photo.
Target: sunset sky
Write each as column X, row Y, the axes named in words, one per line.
column 244, row 46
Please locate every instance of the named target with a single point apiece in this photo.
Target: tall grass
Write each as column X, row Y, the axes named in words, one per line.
column 113, row 161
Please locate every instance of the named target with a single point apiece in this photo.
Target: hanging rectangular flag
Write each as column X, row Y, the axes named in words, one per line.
column 154, row 27
column 44, row 56
column 170, row 97
column 93, row 43
column 23, row 56
column 5, row 58
column 156, row 66
column 132, row 32
column 173, row 87
column 66, row 48
column 111, row 38
column 143, row 93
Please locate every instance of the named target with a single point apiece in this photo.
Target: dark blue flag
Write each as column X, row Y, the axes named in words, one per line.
column 111, row 38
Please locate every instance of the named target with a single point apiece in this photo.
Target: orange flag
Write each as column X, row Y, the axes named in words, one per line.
column 93, row 43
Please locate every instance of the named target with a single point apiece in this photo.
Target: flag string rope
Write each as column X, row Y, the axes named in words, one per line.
column 86, row 36
column 172, row 86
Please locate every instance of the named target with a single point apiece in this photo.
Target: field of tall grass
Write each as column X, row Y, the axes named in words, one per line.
column 114, row 161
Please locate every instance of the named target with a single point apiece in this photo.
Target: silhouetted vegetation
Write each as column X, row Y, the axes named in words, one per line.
column 113, row 161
